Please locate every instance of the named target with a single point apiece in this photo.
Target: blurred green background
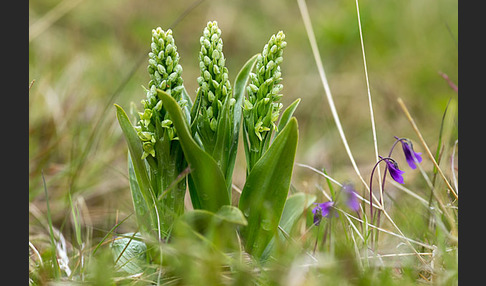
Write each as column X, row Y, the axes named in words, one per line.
column 86, row 55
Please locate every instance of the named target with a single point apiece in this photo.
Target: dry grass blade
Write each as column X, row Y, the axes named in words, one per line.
column 378, row 206
column 51, row 17
column 372, row 116
column 400, row 233
column 312, row 39
column 424, row 144
column 453, row 167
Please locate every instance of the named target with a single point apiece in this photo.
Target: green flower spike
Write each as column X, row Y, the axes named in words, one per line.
column 262, row 107
column 165, row 74
column 214, row 87
column 161, row 149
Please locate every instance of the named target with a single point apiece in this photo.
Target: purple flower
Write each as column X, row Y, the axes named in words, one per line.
column 351, row 197
column 395, row 173
column 410, row 154
column 321, row 210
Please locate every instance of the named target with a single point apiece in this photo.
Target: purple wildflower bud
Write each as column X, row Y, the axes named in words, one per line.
column 395, row 173
column 351, row 197
column 410, row 154
column 321, row 210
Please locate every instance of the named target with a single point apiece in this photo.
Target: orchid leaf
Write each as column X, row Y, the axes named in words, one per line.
column 129, row 253
column 217, row 229
column 206, row 178
column 294, row 208
column 286, row 115
column 140, row 206
column 239, row 89
column 265, row 192
column 139, row 167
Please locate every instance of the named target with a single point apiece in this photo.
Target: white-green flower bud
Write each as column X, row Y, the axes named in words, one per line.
column 161, row 56
column 263, row 88
column 207, row 76
column 158, row 106
column 207, row 61
column 216, row 55
column 216, row 70
column 165, row 74
column 224, row 91
column 169, row 63
column 214, row 86
column 148, row 149
column 202, row 66
column 178, row 69
column 166, row 123
column 157, row 76
column 270, row 65
column 213, row 124
column 173, row 77
column 247, row 105
column 200, row 80
column 161, row 70
column 169, row 50
column 252, row 88
column 163, row 85
column 207, row 44
column 211, row 96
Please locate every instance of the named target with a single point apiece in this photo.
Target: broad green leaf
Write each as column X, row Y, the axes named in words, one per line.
column 294, row 208
column 226, row 213
column 139, row 204
column 286, row 115
column 239, row 89
column 217, row 229
column 188, row 107
column 221, row 150
column 129, row 253
column 231, row 214
column 139, row 166
column 266, row 189
column 207, row 179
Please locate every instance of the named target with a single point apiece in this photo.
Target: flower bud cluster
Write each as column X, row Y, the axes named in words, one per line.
column 262, row 107
column 165, row 74
column 214, row 86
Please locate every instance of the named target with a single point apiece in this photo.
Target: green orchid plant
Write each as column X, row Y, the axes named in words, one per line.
column 178, row 144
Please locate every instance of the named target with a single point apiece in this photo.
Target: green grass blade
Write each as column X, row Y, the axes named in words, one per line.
column 218, row 230
column 76, row 222
column 57, row 270
column 207, row 179
column 265, row 192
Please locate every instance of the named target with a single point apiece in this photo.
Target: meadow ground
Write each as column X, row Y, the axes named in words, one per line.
column 84, row 56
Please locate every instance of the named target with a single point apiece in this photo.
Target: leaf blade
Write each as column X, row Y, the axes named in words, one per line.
column 139, row 167
column 208, row 180
column 266, row 188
